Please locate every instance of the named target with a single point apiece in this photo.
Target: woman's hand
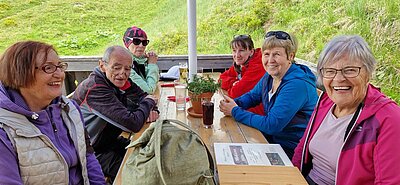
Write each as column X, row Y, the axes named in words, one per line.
column 152, row 57
column 226, row 105
column 153, row 116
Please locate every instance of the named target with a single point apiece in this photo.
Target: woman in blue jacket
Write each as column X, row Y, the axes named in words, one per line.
column 287, row 91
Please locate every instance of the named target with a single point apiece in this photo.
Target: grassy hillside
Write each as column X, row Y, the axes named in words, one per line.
column 83, row 27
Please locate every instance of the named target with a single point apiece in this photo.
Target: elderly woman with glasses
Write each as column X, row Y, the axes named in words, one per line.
column 246, row 71
column 287, row 91
column 145, row 70
column 353, row 136
column 42, row 135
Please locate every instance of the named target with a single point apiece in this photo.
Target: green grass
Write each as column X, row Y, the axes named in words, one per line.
column 83, row 27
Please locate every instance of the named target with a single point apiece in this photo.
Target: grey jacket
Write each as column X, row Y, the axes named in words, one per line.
column 31, row 145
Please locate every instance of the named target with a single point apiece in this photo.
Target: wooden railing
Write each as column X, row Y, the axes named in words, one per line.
column 79, row 67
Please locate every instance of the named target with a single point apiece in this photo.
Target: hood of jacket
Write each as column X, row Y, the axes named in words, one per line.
column 299, row 72
column 13, row 101
column 8, row 99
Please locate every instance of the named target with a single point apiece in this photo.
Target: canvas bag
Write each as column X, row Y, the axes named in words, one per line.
column 166, row 154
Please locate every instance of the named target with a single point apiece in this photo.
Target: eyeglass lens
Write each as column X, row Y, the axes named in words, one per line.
column 138, row 41
column 51, row 68
column 348, row 72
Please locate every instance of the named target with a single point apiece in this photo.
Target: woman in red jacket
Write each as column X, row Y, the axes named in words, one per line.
column 246, row 71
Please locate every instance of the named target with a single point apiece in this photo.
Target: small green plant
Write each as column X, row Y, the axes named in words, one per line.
column 203, row 84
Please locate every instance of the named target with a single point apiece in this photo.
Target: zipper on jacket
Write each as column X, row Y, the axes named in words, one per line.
column 53, row 124
column 68, row 156
column 359, row 109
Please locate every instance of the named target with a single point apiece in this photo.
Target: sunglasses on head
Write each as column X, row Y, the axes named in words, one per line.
column 241, row 37
column 279, row 35
column 138, row 41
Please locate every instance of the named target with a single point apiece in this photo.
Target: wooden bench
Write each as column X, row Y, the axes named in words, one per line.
column 79, row 67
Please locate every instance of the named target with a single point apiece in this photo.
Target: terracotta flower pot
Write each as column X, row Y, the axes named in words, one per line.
column 196, row 101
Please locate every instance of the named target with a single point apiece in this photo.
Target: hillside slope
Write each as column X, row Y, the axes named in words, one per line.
column 84, row 27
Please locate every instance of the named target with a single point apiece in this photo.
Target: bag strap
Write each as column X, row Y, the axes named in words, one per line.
column 209, row 177
column 157, row 143
column 210, row 158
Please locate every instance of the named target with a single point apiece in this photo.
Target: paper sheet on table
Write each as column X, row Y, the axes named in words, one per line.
column 250, row 154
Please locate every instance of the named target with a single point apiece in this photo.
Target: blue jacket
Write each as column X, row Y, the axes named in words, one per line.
column 288, row 111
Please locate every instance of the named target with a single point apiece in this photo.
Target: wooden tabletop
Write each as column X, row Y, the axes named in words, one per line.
column 224, row 130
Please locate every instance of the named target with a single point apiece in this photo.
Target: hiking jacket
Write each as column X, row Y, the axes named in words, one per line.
column 370, row 153
column 250, row 75
column 145, row 76
column 45, row 147
column 105, row 112
column 288, row 111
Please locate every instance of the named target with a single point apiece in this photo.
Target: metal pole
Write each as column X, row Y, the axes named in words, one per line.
column 192, row 49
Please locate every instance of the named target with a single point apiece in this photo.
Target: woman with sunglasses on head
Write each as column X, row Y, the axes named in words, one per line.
column 353, row 135
column 42, row 135
column 246, row 71
column 145, row 70
column 287, row 91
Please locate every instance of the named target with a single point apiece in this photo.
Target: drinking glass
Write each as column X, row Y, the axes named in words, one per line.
column 180, row 95
column 208, row 112
column 183, row 72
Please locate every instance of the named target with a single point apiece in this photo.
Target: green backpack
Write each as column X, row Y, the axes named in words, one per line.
column 166, row 154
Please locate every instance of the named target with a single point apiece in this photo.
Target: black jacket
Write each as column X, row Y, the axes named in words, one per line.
column 105, row 109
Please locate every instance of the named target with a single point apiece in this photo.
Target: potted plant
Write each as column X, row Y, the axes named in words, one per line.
column 201, row 87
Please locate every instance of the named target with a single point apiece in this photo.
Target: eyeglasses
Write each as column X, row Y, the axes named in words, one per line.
column 51, row 68
column 242, row 37
column 348, row 72
column 138, row 41
column 279, row 35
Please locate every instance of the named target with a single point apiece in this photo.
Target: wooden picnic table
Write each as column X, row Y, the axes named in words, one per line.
column 224, row 130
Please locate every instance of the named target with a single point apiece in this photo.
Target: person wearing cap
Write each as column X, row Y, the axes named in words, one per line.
column 287, row 91
column 104, row 100
column 246, row 71
column 145, row 70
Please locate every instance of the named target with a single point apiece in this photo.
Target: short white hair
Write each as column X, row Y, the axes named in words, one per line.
column 352, row 46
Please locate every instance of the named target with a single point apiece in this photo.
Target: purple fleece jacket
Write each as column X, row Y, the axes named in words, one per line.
column 9, row 168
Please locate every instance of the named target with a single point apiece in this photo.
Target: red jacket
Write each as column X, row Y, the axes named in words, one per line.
column 251, row 74
column 371, row 152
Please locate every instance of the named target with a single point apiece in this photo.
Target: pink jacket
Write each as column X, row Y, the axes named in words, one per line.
column 371, row 152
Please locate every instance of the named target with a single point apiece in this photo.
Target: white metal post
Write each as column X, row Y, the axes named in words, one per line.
column 192, row 49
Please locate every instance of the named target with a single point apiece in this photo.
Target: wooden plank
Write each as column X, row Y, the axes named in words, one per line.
column 88, row 63
column 216, row 61
column 273, row 175
column 252, row 135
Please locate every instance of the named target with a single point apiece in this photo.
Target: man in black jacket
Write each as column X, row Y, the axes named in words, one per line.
column 112, row 103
